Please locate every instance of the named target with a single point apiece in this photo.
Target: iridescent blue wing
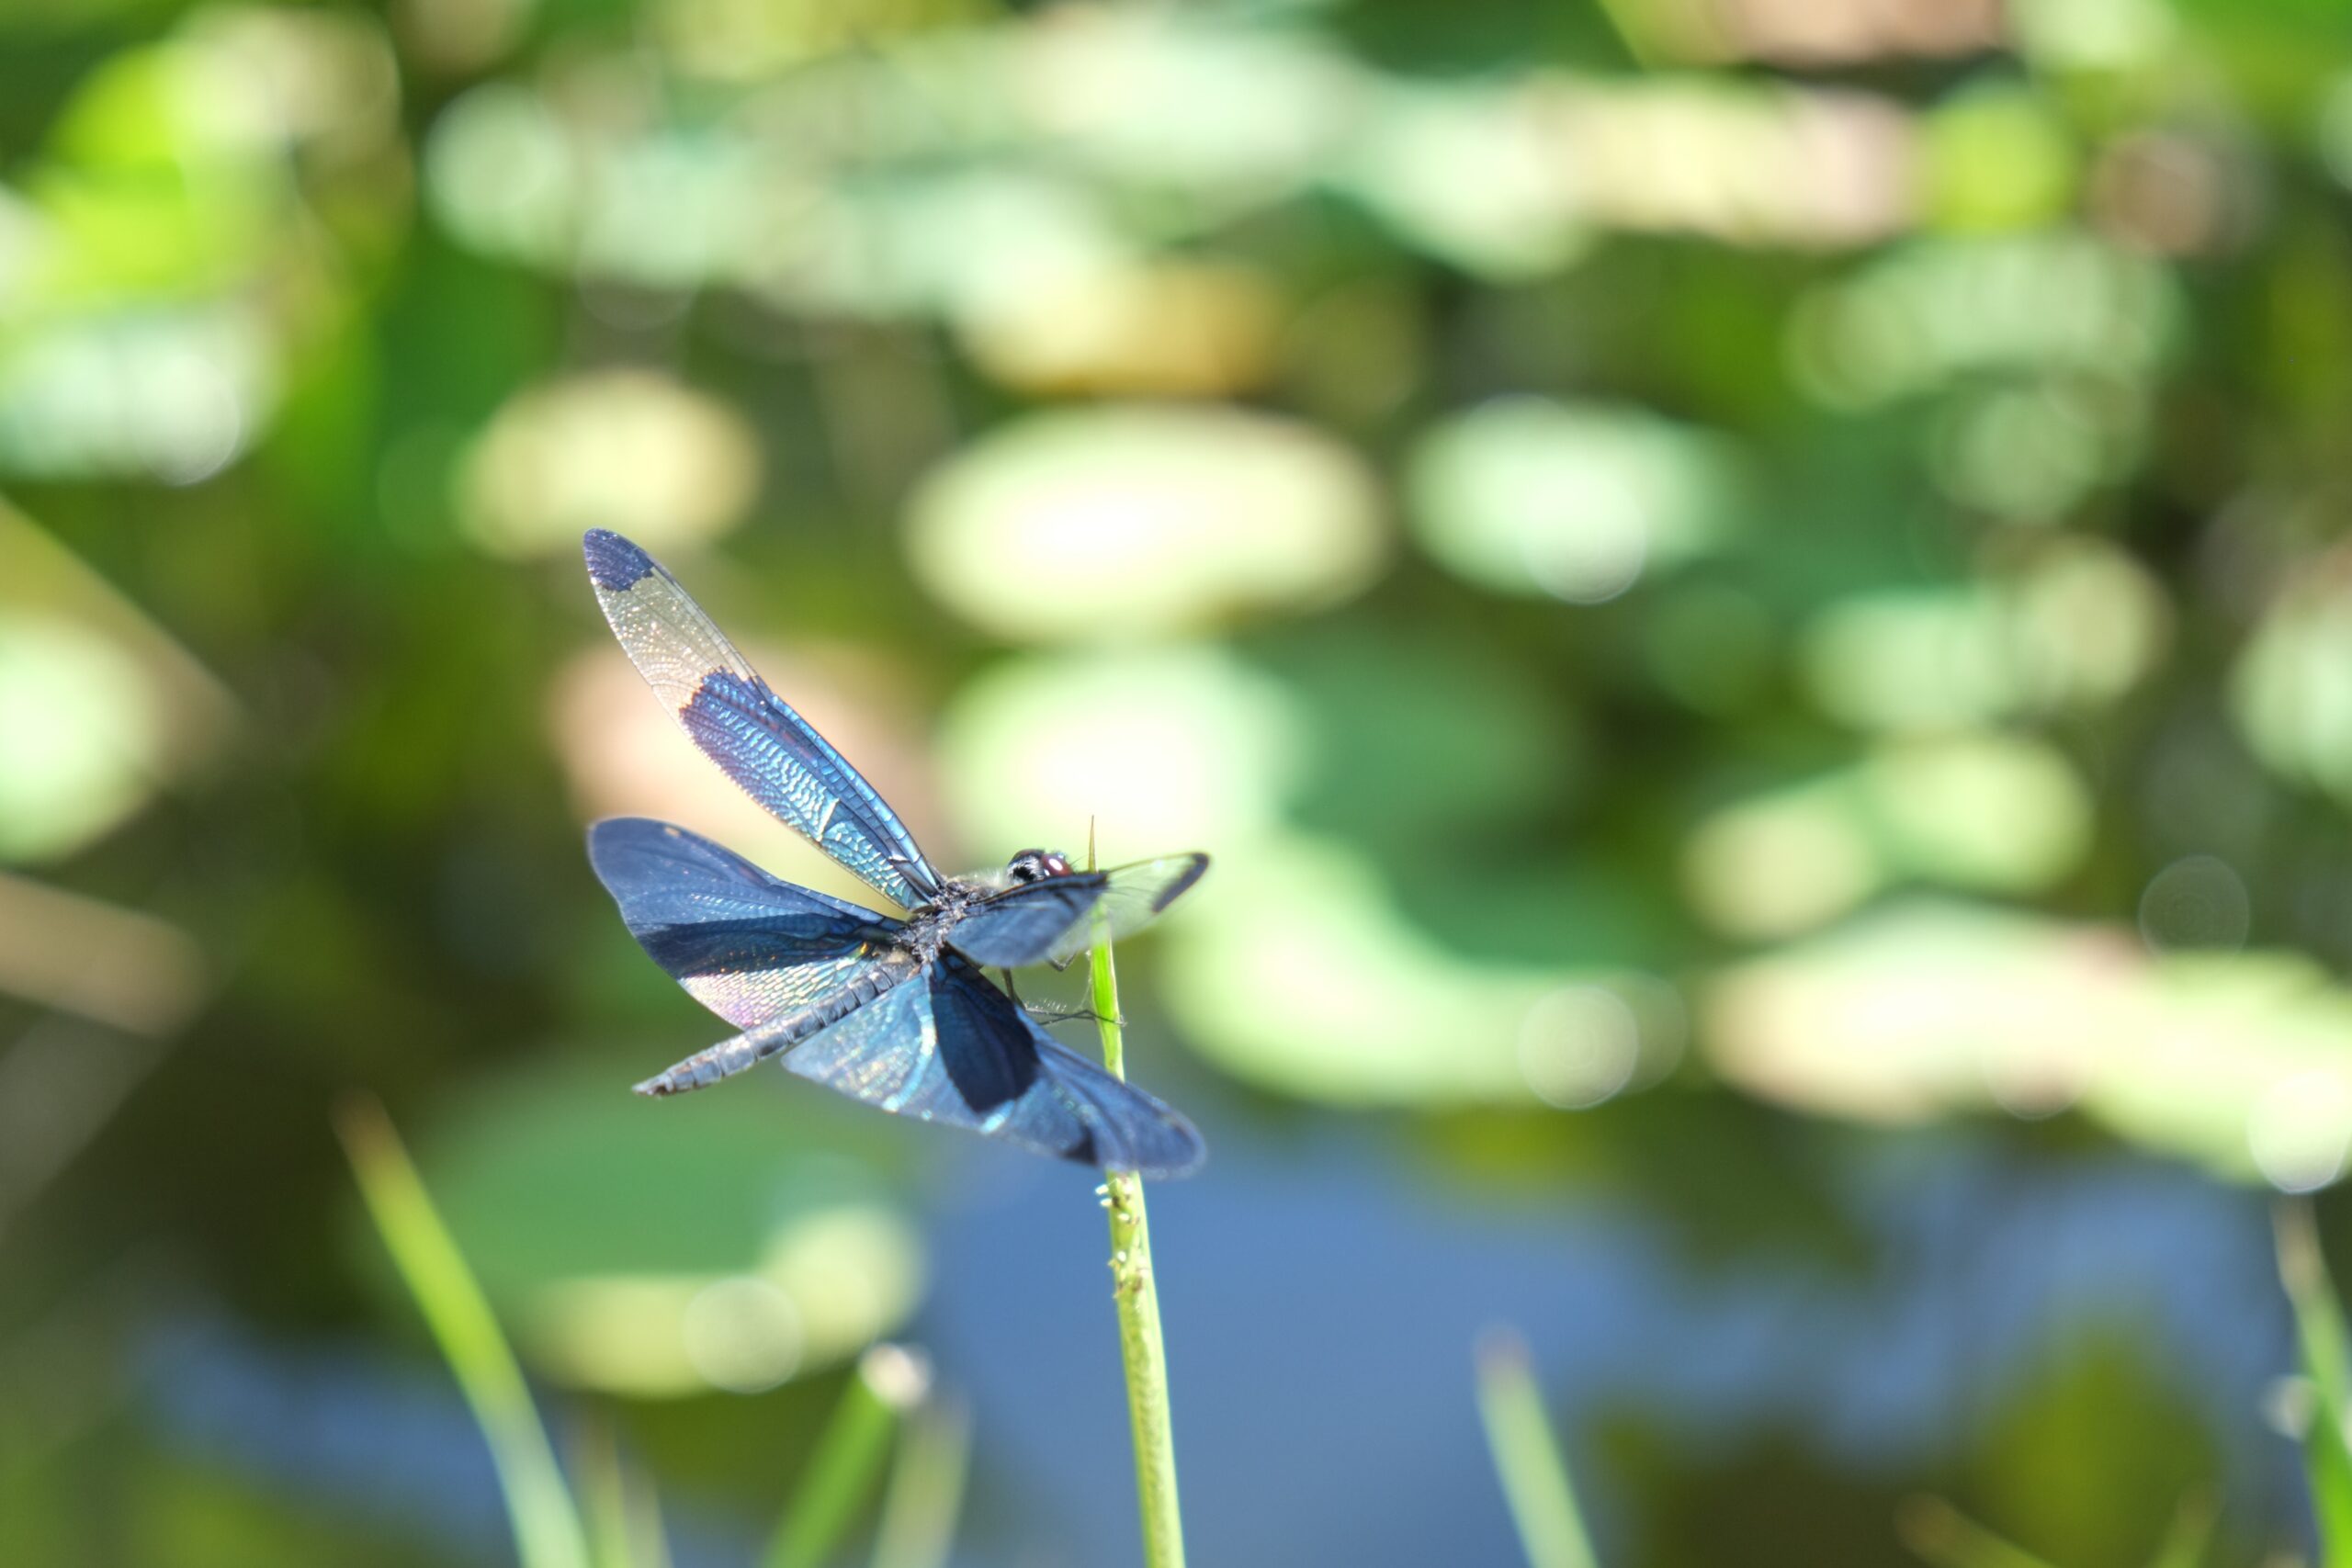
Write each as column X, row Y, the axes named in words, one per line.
column 954, row 1049
column 747, row 729
column 1128, row 1129
column 749, row 947
column 896, row 971
column 1054, row 921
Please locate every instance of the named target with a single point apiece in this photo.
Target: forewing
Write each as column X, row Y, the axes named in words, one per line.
column 746, row 945
column 766, row 748
column 1134, row 896
column 1021, row 925
column 1054, row 921
column 956, row 1050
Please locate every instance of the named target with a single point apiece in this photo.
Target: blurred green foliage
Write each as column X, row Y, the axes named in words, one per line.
column 1691, row 559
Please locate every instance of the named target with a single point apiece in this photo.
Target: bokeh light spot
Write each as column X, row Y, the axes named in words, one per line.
column 1578, row 1046
column 742, row 1334
column 2300, row 1130
column 2197, row 901
column 85, row 741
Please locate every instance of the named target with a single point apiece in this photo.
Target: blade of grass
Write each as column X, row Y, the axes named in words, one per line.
column 649, row 1546
column 2319, row 1331
column 850, row 1450
column 2192, row 1532
column 617, row 1502
column 1625, row 21
column 547, row 1531
column 926, row 1488
column 1135, row 1292
column 604, row 1506
column 1528, row 1459
column 1942, row 1534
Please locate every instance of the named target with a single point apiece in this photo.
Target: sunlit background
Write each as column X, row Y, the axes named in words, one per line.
column 1752, row 597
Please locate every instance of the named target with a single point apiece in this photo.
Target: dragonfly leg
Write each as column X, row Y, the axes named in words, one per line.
column 1052, row 1013
column 1048, row 1013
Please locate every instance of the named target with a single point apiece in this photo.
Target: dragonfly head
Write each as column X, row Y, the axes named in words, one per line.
column 1035, row 865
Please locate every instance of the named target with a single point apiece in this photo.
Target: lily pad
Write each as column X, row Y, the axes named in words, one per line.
column 2241, row 1062
column 1527, row 495
column 1987, row 812
column 729, row 1240
column 2074, row 629
column 1296, row 972
column 626, row 450
column 2292, row 690
column 1144, row 520
column 1171, row 749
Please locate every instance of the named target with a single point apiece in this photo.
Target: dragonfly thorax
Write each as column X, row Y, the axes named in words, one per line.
column 926, row 933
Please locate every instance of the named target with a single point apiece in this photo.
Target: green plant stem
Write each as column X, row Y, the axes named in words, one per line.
column 603, row 1484
column 1944, row 1536
column 2192, row 1532
column 547, row 1530
column 1533, row 1471
column 1136, row 1295
column 2319, row 1331
column 1626, row 21
column 842, row 1470
column 926, row 1488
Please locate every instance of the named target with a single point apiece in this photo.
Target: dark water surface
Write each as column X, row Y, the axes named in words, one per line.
column 1320, row 1312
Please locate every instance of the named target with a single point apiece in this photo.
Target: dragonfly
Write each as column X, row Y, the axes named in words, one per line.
column 896, row 1012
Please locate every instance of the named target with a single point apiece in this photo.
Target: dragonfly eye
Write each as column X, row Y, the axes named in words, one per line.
column 1035, row 865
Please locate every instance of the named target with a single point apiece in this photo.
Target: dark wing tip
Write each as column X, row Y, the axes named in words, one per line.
column 612, row 836
column 614, row 564
column 1183, row 883
column 1176, row 1164
column 1169, row 1151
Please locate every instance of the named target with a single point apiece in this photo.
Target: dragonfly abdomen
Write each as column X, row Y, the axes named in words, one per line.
column 755, row 1046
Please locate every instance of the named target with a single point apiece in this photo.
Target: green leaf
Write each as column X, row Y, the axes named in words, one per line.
column 1942, row 1535
column 926, row 1488
column 623, row 1517
column 2192, row 1532
column 1528, row 1459
column 2319, row 1331
column 548, row 1532
column 848, row 1461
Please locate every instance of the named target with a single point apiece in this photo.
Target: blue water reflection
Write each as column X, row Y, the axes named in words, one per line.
column 1321, row 1304
column 1321, row 1308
